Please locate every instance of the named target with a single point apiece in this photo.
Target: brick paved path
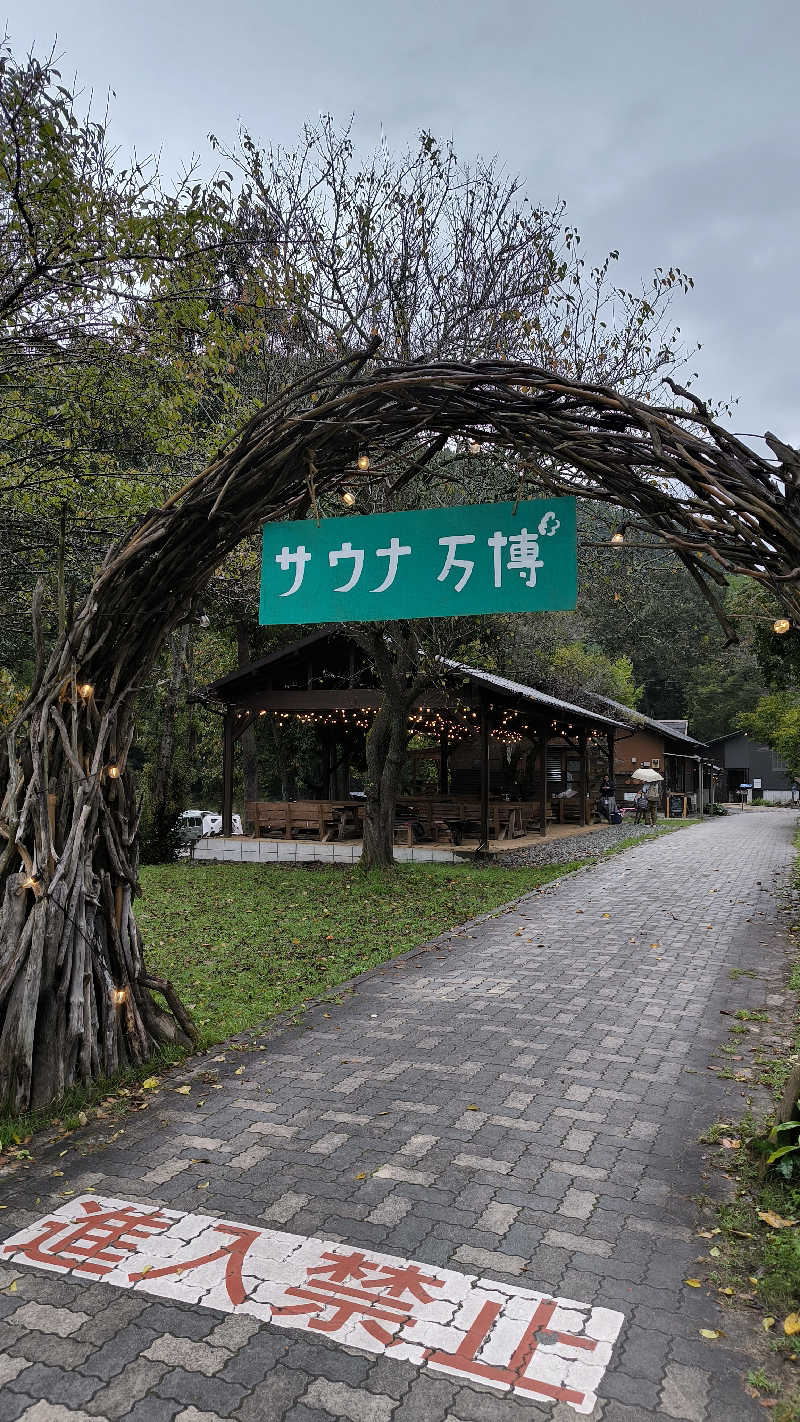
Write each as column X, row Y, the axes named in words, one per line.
column 584, row 1049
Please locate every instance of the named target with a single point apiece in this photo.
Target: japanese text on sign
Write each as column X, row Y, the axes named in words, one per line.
column 428, row 563
column 514, row 1339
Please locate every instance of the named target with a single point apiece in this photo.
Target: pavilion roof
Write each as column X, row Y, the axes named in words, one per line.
column 244, row 684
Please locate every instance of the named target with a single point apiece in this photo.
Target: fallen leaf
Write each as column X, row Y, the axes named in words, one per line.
column 714, row 1253
column 711, row 1333
column 362, row 1175
column 183, row 1090
column 727, row 1292
column 12, row 1288
column 605, row 915
column 693, row 1283
column 239, row 1071
column 204, row 1186
column 708, row 1233
column 767, row 1324
column 775, row 1221
column 730, row 1143
column 791, row 1324
column 150, row 1083
column 472, row 1108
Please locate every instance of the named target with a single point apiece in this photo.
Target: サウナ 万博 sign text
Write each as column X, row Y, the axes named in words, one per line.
column 451, row 562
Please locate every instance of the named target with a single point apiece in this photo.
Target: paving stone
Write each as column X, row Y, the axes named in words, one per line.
column 283, row 1209
column 132, row 1384
column 41, row 1381
column 339, row 1400
column 282, row 1387
column 390, row 1211
column 685, row 1393
column 184, row 1353
column 11, row 1367
column 61, row 1321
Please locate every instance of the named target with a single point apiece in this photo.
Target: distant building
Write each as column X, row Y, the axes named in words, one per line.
column 665, row 746
column 745, row 761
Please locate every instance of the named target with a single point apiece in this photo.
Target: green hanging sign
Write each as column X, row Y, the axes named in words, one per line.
column 452, row 562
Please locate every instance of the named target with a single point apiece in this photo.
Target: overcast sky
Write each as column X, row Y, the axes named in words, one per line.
column 671, row 131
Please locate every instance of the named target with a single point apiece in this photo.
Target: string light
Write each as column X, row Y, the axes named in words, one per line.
column 113, row 772
column 348, row 497
column 33, row 881
column 474, row 447
column 618, row 537
column 363, row 463
column 781, row 625
column 119, row 996
column 85, row 690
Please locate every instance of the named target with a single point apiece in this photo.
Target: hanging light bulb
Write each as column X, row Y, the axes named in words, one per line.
column 474, row 447
column 85, row 690
column 618, row 537
column 347, row 496
column 363, row 462
column 113, row 772
column 781, row 625
column 118, row 996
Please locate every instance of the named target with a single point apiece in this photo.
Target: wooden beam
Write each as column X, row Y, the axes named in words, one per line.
column 542, row 744
column 444, row 748
column 483, row 843
column 227, row 774
column 301, row 699
column 584, row 774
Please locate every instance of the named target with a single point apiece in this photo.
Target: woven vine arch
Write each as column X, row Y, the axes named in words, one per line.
column 76, row 1000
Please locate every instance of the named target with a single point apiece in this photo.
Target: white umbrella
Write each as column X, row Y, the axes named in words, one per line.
column 646, row 774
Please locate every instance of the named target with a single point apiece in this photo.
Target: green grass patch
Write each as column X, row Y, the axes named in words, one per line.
column 759, row 1259
column 244, row 942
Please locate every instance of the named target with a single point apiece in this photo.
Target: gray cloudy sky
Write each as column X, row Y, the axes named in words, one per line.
column 671, row 131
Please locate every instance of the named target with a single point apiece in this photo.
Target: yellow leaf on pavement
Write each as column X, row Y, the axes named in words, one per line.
column 150, row 1083
column 183, row 1090
column 767, row 1324
column 693, row 1283
column 791, row 1324
column 710, row 1332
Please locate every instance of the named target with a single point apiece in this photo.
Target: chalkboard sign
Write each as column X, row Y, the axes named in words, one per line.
column 676, row 807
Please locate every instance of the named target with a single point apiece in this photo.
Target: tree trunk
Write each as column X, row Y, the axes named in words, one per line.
column 386, row 752
column 248, row 738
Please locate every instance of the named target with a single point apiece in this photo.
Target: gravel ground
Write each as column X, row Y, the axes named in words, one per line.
column 579, row 846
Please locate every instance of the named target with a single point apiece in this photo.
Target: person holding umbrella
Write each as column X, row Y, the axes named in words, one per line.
column 647, row 801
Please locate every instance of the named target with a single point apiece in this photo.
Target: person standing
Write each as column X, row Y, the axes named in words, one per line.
column 653, row 796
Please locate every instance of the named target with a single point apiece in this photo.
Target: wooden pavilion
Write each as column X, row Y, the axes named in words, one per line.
column 508, row 759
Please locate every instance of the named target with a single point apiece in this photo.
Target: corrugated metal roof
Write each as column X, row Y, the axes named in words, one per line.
column 516, row 688
column 636, row 718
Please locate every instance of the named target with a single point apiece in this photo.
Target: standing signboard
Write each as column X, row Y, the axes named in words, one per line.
column 449, row 562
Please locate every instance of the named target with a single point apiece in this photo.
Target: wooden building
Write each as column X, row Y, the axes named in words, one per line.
column 486, row 752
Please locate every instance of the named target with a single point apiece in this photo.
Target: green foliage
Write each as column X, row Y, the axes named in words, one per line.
column 12, row 696
column 775, row 721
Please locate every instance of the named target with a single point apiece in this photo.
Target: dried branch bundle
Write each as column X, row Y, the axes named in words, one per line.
column 75, row 996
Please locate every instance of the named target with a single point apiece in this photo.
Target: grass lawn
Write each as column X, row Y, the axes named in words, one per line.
column 242, row 942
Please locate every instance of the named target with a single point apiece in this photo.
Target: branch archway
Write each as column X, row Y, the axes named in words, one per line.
column 76, row 1001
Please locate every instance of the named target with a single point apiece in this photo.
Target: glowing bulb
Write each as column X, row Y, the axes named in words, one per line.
column 618, row 537
column 118, row 996
column 781, row 625
column 348, row 497
column 113, row 772
column 85, row 690
column 474, row 447
column 363, row 462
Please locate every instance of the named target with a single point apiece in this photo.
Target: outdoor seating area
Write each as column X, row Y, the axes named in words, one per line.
column 492, row 761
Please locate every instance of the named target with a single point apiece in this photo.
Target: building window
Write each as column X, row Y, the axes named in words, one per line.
column 778, row 763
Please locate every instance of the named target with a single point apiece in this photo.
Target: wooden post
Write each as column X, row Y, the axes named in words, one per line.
column 584, row 773
column 227, row 773
column 543, row 739
column 483, row 844
column 444, row 747
column 610, row 742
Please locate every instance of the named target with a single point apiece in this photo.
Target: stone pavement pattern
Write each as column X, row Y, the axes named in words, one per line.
column 521, row 1101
